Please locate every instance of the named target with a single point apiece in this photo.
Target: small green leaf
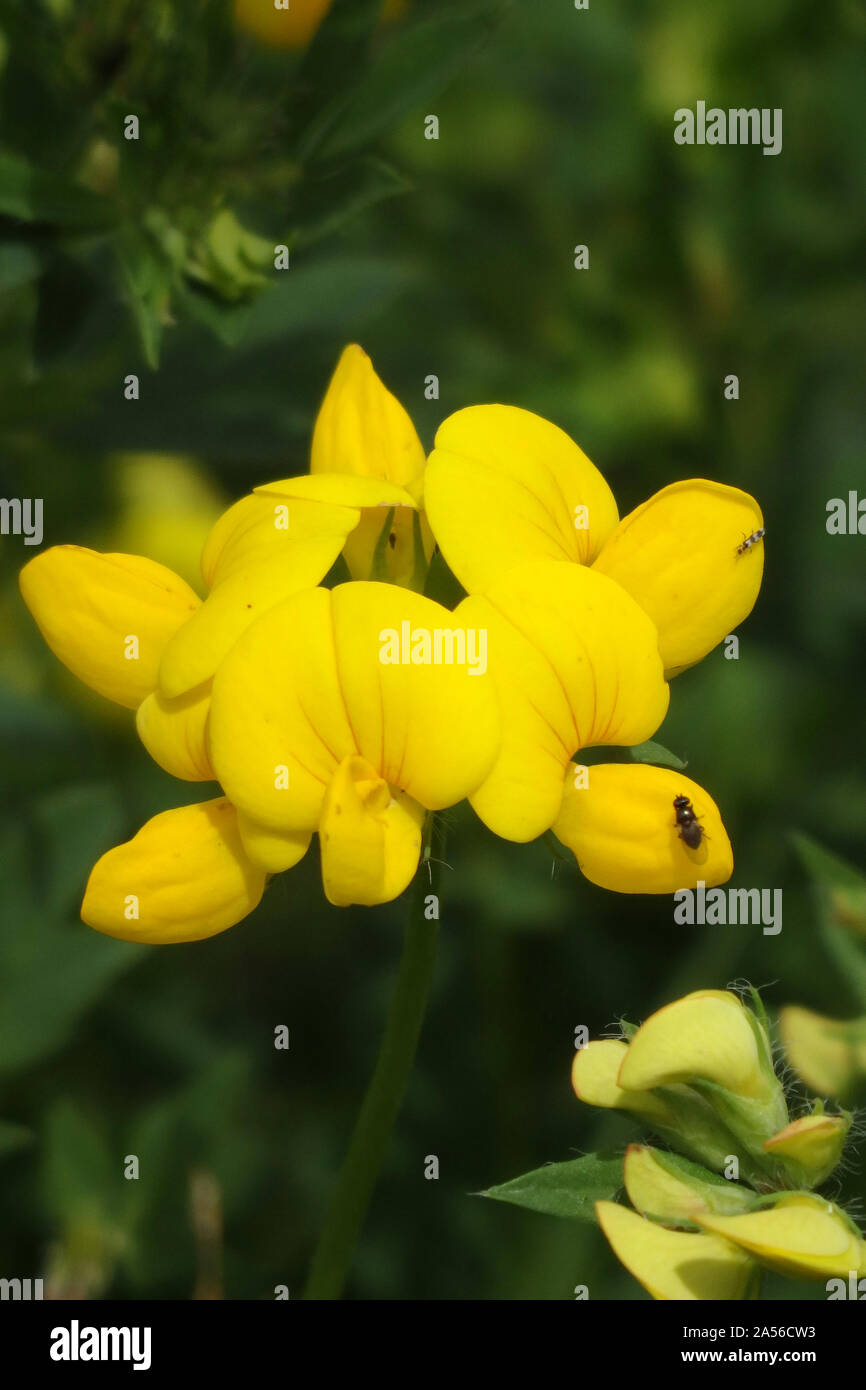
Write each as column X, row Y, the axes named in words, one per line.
column 409, row 70
column 564, row 1189
column 338, row 192
column 656, row 753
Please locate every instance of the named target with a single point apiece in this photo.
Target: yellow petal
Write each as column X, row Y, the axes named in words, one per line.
column 174, row 732
column 371, row 840
column 814, row 1143
column 183, row 877
column 273, row 850
column 674, row 1265
column 619, row 821
column 802, row 1235
column 705, row 1036
column 668, row 1189
column 575, row 662
column 340, row 490
column 829, row 1053
column 306, row 687
column 505, row 487
column 274, row 524
column 677, row 554
column 107, row 617
column 376, row 501
column 595, row 1080
column 363, row 429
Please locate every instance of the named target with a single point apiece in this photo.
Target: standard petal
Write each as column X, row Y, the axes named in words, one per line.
column 505, row 487
column 362, row 428
column 802, row 1235
column 618, row 820
column 183, row 877
column 174, row 732
column 704, row 1036
column 677, row 554
column 674, row 1265
column 575, row 662
column 107, row 617
column 371, row 841
column 309, row 685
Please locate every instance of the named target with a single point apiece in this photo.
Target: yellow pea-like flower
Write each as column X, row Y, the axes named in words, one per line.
column 659, row 1189
column 575, row 662
column 505, row 487
column 705, row 1036
column 676, row 1265
column 313, row 727
column 801, row 1235
column 619, row 821
column 363, row 431
column 108, row 618
column 183, row 877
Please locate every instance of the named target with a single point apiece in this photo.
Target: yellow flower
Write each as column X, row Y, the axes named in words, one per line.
column 829, row 1053
column 619, row 821
column 675, row 1192
column 675, row 1265
column 801, row 1235
column 294, row 22
column 505, row 487
column 311, row 730
column 576, row 664
column 362, row 430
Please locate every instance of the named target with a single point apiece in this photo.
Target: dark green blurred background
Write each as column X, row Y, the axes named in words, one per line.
column 556, row 131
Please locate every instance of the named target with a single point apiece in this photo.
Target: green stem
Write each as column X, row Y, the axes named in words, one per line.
column 336, row 1245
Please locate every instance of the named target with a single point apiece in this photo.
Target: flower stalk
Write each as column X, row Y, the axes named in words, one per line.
column 351, row 1199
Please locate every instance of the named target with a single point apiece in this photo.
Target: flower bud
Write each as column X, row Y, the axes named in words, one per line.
column 811, row 1147
column 673, row 1190
column 828, row 1053
column 712, row 1043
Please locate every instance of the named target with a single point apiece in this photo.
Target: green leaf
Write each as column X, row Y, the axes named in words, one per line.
column 339, row 192
column 564, row 1189
column 409, row 70
column 656, row 753
column 148, row 278
column 33, row 195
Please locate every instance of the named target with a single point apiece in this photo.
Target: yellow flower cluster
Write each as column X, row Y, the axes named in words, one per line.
column 700, row 1073
column 352, row 712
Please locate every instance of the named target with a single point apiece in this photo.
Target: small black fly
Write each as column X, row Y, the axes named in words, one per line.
column 691, row 829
